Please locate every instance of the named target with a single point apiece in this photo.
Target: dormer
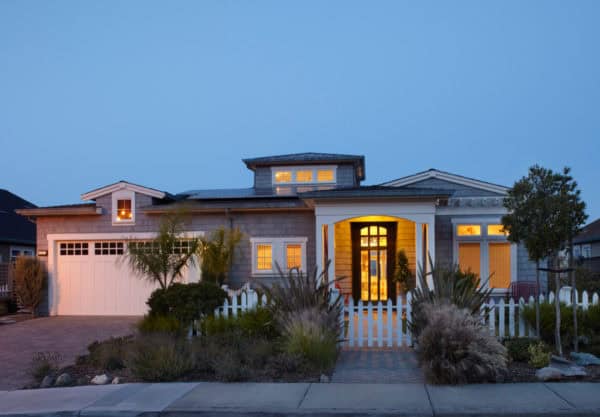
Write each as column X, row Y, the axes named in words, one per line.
column 124, row 198
column 306, row 171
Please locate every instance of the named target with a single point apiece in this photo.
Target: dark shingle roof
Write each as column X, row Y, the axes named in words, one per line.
column 376, row 191
column 15, row 228
column 589, row 233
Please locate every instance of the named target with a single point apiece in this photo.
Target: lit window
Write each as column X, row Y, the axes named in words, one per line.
column 469, row 257
column 325, row 175
column 283, row 176
column 304, row 176
column 293, row 255
column 468, row 230
column 124, row 210
column 264, row 257
column 499, row 265
column 496, row 230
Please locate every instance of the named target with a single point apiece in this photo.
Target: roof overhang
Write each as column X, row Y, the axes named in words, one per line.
column 79, row 210
column 122, row 185
column 446, row 176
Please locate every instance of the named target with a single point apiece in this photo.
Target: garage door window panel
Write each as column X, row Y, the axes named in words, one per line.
column 73, row 249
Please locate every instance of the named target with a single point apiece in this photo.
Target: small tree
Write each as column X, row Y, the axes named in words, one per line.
column 218, row 253
column 162, row 259
column 30, row 280
column 402, row 273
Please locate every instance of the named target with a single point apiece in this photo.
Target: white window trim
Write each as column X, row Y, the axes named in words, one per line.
column 20, row 249
column 296, row 168
column 586, row 250
column 484, row 239
column 123, row 195
column 278, row 253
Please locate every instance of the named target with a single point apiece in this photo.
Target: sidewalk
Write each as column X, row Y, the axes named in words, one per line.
column 270, row 399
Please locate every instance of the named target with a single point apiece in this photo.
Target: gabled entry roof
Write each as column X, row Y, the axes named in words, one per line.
column 449, row 177
column 123, row 185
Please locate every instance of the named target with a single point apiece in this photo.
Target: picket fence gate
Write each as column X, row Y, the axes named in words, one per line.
column 385, row 324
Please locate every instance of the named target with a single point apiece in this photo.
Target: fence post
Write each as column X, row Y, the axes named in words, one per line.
column 399, row 312
column 351, row 322
column 369, row 324
column 521, row 318
column 585, row 301
column 511, row 318
column 501, row 316
column 595, row 299
column 379, row 324
column 530, row 329
column 390, row 316
column 492, row 317
column 408, row 318
column 360, row 323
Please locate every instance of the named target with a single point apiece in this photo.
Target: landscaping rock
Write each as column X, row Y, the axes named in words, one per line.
column 116, row 380
column 100, row 379
column 47, row 382
column 82, row 381
column 585, row 359
column 548, row 374
column 573, row 371
column 63, row 380
column 324, row 379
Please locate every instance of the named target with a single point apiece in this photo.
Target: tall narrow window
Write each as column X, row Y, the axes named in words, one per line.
column 293, row 256
column 124, row 210
column 499, row 264
column 469, row 255
column 264, row 257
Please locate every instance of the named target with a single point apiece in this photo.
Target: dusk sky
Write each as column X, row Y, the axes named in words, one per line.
column 173, row 94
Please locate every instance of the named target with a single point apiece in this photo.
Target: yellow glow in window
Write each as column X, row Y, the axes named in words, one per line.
column 496, row 230
column 264, row 257
column 283, row 176
column 325, row 175
column 124, row 210
column 468, row 230
column 293, row 254
column 304, row 176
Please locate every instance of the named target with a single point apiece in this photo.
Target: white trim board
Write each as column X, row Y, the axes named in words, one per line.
column 122, row 185
column 446, row 176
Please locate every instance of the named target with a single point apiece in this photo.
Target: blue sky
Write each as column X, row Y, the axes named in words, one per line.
column 173, row 94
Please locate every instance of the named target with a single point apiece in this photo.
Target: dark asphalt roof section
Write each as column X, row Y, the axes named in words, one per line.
column 376, row 191
column 13, row 227
column 589, row 233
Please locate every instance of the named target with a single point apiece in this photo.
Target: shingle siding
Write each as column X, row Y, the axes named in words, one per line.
column 459, row 189
column 443, row 240
column 346, row 176
column 263, row 177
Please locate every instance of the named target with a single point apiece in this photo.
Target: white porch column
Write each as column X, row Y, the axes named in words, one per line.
column 431, row 241
column 419, row 250
column 331, row 252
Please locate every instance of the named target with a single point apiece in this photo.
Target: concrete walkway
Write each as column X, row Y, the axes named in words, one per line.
column 270, row 399
column 378, row 366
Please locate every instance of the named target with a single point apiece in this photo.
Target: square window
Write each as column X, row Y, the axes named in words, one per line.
column 124, row 210
column 325, row 175
column 283, row 176
column 293, row 256
column 496, row 230
column 468, row 230
column 264, row 257
column 304, row 176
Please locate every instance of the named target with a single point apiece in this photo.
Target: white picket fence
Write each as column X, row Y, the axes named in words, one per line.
column 385, row 324
column 4, row 290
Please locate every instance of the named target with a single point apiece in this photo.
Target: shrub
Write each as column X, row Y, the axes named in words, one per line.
column 308, row 333
column 44, row 363
column 157, row 323
column 539, row 355
column 450, row 286
column 255, row 323
column 158, row 357
column 454, row 348
column 30, row 280
column 109, row 354
column 187, row 302
column 518, row 348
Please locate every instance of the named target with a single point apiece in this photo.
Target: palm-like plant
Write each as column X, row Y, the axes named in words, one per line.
column 218, row 254
column 449, row 285
column 162, row 259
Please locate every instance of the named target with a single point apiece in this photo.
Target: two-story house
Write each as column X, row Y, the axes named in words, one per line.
column 302, row 210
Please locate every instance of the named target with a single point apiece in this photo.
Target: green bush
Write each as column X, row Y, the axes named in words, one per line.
column 257, row 323
column 455, row 348
column 157, row 323
column 44, row 363
column 518, row 348
column 307, row 333
column 157, row 357
column 539, row 355
column 187, row 302
column 109, row 354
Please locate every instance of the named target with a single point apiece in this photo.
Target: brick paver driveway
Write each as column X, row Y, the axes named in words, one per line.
column 68, row 336
column 382, row 366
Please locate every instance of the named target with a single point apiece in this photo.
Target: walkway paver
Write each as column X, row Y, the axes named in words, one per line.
column 69, row 336
column 383, row 366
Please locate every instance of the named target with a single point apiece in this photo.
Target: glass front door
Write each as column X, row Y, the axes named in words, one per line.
column 373, row 263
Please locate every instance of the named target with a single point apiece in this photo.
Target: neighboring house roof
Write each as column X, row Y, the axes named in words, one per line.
column 590, row 233
column 309, row 158
column 449, row 177
column 376, row 191
column 121, row 185
column 15, row 228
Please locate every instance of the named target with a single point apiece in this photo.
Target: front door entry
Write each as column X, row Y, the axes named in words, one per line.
column 373, row 249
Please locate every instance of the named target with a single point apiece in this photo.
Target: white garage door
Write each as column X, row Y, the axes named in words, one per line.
column 93, row 279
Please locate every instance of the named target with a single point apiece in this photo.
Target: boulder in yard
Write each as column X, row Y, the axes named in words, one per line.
column 100, row 379
column 585, row 359
column 548, row 373
column 47, row 382
column 63, row 380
